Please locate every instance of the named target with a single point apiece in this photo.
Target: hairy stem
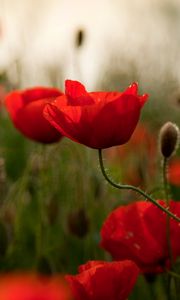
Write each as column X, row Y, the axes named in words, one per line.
column 131, row 187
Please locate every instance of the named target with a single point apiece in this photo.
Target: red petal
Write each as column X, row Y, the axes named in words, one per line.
column 132, row 89
column 102, row 125
column 31, row 123
column 14, row 102
column 125, row 235
column 26, row 110
column 90, row 264
column 143, row 99
column 107, row 280
column 38, row 93
column 66, row 120
column 76, row 93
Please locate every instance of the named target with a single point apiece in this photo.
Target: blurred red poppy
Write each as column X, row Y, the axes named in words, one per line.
column 99, row 280
column 138, row 232
column 97, row 119
column 174, row 172
column 26, row 111
column 33, row 287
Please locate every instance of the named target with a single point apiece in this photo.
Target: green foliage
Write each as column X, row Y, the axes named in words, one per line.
column 43, row 187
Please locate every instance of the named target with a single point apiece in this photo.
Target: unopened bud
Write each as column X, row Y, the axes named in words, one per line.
column 78, row 223
column 169, row 139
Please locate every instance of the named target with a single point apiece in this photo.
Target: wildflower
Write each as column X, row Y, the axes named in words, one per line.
column 97, row 119
column 19, row 286
column 99, row 280
column 26, row 111
column 138, row 232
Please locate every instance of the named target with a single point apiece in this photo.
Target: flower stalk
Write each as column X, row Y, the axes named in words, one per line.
column 166, row 194
column 133, row 188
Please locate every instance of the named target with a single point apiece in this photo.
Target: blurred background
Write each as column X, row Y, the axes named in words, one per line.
column 97, row 42
column 53, row 198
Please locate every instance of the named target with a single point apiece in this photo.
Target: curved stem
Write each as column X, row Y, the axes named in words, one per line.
column 133, row 188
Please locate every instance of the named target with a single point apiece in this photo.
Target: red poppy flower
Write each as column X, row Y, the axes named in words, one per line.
column 26, row 111
column 174, row 172
column 98, row 119
column 33, row 287
column 98, row 280
column 138, row 232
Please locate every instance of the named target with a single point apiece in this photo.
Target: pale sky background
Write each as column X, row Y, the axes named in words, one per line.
column 121, row 41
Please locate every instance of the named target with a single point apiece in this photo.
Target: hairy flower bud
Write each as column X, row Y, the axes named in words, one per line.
column 169, row 139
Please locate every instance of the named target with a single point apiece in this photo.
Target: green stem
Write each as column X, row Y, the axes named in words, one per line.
column 131, row 187
column 173, row 274
column 165, row 183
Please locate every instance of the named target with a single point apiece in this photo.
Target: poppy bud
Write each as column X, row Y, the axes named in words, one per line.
column 169, row 139
column 79, row 38
column 78, row 223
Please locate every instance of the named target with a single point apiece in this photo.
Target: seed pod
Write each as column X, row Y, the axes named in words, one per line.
column 169, row 139
column 79, row 38
column 78, row 223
